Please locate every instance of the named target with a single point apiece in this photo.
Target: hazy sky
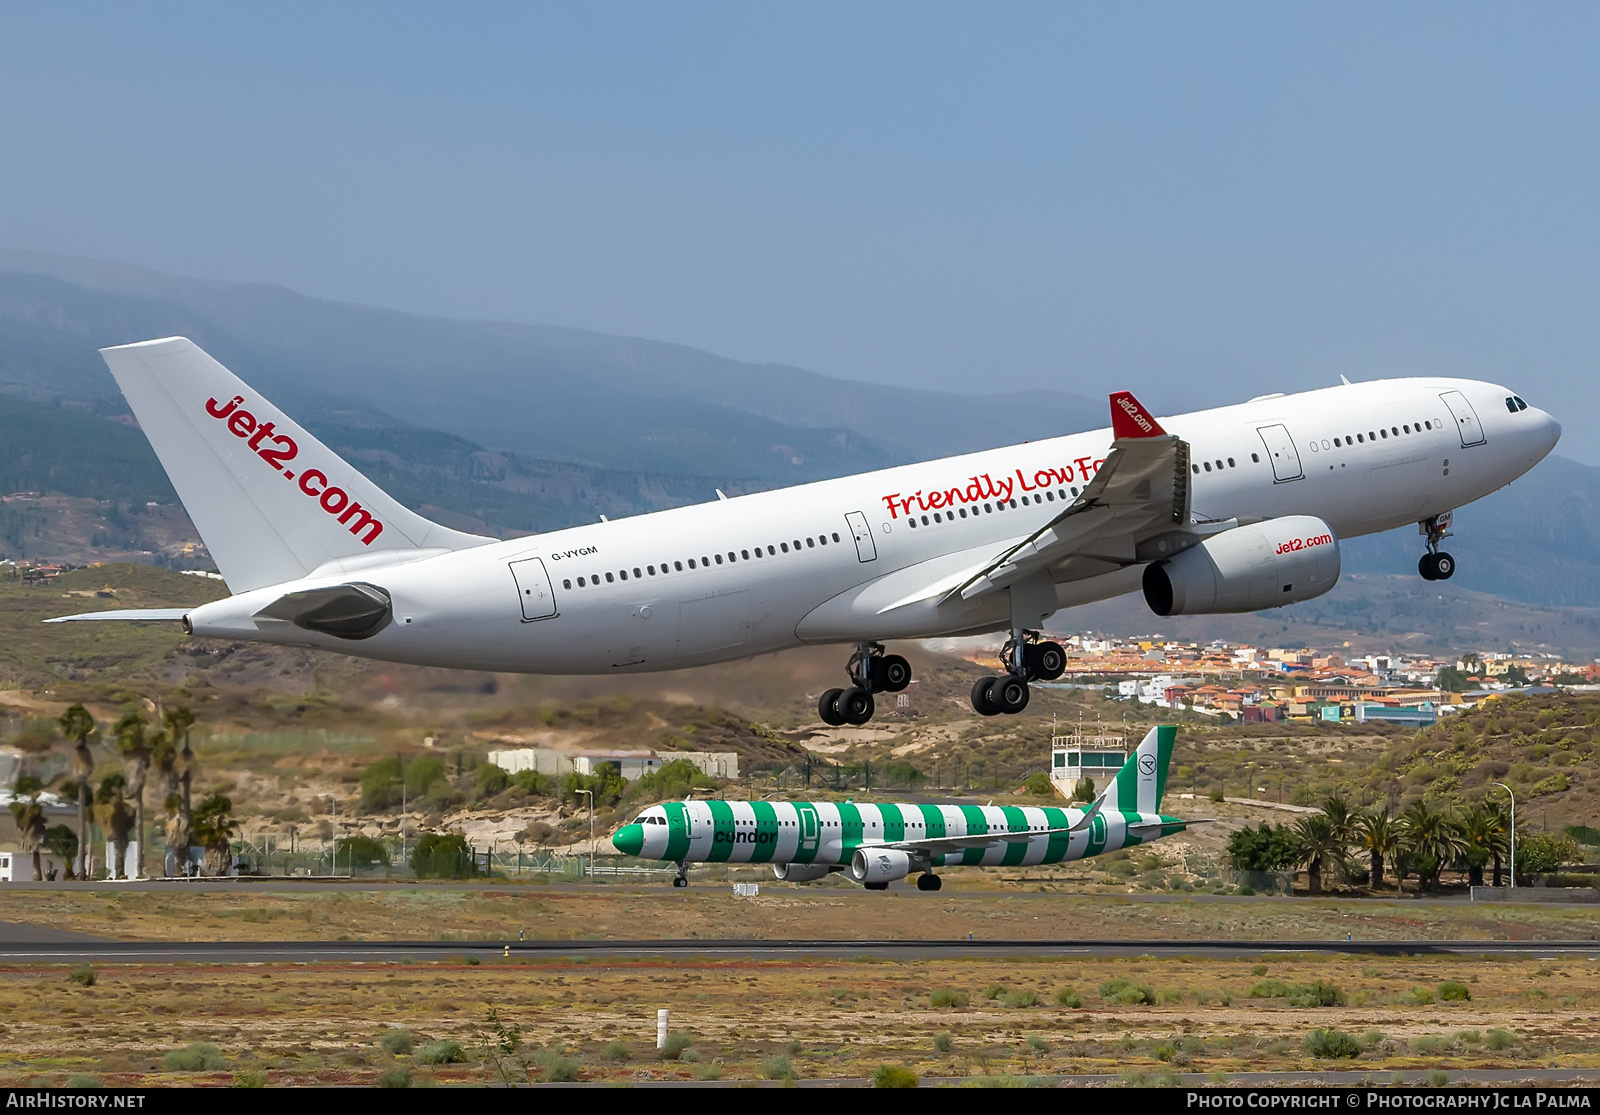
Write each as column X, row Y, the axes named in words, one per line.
column 1199, row 201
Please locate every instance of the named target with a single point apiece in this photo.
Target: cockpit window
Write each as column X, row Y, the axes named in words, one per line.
column 1514, row 403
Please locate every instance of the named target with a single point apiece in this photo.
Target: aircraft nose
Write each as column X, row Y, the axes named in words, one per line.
column 629, row 840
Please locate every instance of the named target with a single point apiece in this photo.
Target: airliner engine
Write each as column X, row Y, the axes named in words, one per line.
column 879, row 865
column 1281, row 561
column 800, row 872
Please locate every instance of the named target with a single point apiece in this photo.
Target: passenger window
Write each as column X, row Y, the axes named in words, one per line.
column 1074, row 491
column 1406, row 427
column 704, row 561
column 1385, row 434
column 1062, row 492
column 651, row 570
column 771, row 552
column 1371, row 436
column 784, row 546
column 719, row 559
column 1013, row 503
column 566, row 584
column 1208, row 466
column 1196, row 469
column 937, row 517
column 1361, row 439
column 1231, row 464
column 912, row 522
column 691, row 563
column 678, row 565
column 962, row 512
column 1256, row 458
column 746, row 554
column 609, row 578
column 797, row 543
column 580, row 582
column 636, row 573
column 924, row 520
column 624, row 575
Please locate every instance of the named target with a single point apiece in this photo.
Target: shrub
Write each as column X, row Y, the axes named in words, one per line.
column 1127, row 993
column 1454, row 991
column 83, row 1080
column 531, row 782
column 441, row 1053
column 490, row 780
column 197, row 1056
column 713, row 1071
column 1417, row 997
column 398, row 1042
column 1038, row 1044
column 1164, row 1052
column 1067, row 997
column 1269, row 989
column 442, row 855
column 1318, row 994
column 556, row 1069
column 615, row 1051
column 1498, row 1039
column 362, row 851
column 1020, row 999
column 1267, row 847
column 676, row 1044
column 1431, row 1044
column 250, row 1078
column 1329, row 1044
column 894, row 1076
column 944, row 1043
column 395, row 1078
column 945, row 997
column 1038, row 785
column 994, row 991
column 1437, row 1078
column 777, row 1068
column 793, row 1048
column 82, row 975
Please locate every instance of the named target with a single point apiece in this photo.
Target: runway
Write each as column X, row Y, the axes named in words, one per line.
column 21, row 944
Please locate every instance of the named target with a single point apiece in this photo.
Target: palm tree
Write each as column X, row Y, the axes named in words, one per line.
column 117, row 819
column 178, row 836
column 28, row 814
column 1379, row 835
column 179, row 721
column 77, row 723
column 135, row 752
column 164, row 759
column 1430, row 834
column 214, row 827
column 1484, row 831
column 1343, row 823
column 1314, row 843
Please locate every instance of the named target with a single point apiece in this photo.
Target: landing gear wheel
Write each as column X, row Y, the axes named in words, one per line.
column 1428, row 567
column 828, row 708
column 981, row 704
column 891, row 673
column 1046, row 661
column 681, row 879
column 929, row 881
column 1009, row 694
column 855, row 705
column 1444, row 566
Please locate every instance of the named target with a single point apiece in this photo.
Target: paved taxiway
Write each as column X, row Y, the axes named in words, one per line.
column 32, row 944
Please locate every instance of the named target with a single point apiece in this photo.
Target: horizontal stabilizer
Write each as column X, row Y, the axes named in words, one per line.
column 141, row 615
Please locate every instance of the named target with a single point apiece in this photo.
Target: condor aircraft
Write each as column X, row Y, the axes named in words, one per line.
column 1234, row 509
column 877, row 844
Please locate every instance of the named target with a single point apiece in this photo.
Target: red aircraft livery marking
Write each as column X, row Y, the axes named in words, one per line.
column 980, row 488
column 1294, row 544
column 277, row 450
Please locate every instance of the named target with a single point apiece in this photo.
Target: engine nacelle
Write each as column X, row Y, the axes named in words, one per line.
column 879, row 865
column 1266, row 565
column 800, row 872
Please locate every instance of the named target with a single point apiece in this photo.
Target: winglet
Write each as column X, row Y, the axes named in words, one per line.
column 1130, row 419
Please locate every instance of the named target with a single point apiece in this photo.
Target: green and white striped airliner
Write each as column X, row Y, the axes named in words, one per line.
column 880, row 843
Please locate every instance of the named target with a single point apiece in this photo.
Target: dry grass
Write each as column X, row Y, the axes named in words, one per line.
column 974, row 902
column 323, row 1023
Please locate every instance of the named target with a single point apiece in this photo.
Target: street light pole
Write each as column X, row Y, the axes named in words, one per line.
column 590, row 795
column 1513, row 797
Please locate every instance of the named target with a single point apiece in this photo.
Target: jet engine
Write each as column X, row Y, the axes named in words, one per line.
column 879, row 865
column 1265, row 565
column 800, row 872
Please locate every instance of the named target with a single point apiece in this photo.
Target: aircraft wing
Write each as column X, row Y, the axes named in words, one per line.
column 1138, row 498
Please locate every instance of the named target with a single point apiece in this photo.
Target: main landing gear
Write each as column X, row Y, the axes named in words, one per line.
column 1027, row 659
column 871, row 671
column 1436, row 565
column 929, row 881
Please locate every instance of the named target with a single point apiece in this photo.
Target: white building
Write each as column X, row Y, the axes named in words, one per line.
column 632, row 764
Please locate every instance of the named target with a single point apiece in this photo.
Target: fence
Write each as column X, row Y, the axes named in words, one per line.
column 474, row 864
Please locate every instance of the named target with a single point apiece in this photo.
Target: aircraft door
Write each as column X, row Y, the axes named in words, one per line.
column 810, row 829
column 1467, row 424
column 865, row 549
column 533, row 589
column 1281, row 451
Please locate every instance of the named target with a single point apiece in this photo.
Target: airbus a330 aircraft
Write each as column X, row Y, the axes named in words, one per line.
column 1228, row 510
column 878, row 844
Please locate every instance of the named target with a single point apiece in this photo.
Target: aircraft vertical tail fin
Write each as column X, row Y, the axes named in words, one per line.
column 271, row 502
column 1140, row 784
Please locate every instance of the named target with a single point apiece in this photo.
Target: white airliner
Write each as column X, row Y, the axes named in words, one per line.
column 1235, row 509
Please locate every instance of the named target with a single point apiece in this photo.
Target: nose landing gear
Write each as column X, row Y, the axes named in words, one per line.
column 871, row 671
column 1027, row 659
column 1436, row 565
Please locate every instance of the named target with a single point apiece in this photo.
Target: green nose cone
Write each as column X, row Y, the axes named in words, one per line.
column 629, row 840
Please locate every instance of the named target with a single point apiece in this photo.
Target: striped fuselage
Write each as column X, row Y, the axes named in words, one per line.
column 825, row 832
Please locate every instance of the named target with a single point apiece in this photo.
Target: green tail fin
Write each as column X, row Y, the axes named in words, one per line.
column 1140, row 784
